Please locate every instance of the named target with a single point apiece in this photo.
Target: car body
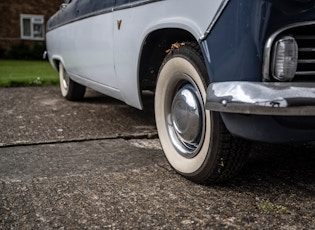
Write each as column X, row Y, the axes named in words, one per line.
column 223, row 71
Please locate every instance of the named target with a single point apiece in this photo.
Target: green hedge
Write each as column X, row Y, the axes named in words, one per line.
column 23, row 51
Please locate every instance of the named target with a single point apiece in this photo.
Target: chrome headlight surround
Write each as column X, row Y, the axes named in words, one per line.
column 285, row 59
column 267, row 58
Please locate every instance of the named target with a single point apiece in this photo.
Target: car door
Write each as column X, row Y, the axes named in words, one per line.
column 126, row 50
column 92, row 42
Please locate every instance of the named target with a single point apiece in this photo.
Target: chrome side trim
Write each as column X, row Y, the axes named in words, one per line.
column 96, row 13
column 63, row 6
column 262, row 98
column 214, row 20
column 268, row 47
column 135, row 4
column 103, row 11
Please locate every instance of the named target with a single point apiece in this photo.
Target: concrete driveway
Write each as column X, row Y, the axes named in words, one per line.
column 97, row 164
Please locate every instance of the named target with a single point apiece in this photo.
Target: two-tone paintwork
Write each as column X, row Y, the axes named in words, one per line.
column 237, row 42
column 98, row 53
column 240, row 49
column 100, row 44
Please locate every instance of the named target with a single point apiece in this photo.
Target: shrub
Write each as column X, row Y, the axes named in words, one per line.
column 23, row 51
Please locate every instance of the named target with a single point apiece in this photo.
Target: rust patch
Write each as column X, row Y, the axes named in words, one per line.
column 174, row 46
column 119, row 24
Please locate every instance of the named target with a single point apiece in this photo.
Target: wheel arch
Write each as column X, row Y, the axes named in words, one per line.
column 55, row 60
column 153, row 51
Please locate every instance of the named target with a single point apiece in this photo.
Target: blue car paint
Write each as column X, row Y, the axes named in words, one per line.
column 236, row 43
column 80, row 9
column 235, row 52
column 236, row 48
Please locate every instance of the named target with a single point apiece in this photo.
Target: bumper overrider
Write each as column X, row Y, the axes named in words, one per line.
column 262, row 98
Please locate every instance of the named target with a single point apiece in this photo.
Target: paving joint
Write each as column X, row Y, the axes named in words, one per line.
column 124, row 137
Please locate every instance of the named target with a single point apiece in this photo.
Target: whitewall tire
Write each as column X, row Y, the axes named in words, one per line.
column 69, row 89
column 194, row 140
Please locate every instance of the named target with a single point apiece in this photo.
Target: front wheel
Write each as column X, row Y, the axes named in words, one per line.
column 195, row 141
column 70, row 89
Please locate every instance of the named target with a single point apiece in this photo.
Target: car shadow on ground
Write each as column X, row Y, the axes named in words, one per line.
column 94, row 97
column 289, row 168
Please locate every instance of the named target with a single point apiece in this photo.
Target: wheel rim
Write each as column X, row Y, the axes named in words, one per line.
column 186, row 118
column 174, row 75
column 65, row 80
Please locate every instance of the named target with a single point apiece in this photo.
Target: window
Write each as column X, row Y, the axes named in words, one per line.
column 32, row 27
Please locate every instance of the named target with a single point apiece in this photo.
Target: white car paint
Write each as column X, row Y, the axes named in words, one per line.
column 98, row 54
column 137, row 23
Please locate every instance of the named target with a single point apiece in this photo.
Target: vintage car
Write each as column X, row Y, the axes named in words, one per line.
column 223, row 71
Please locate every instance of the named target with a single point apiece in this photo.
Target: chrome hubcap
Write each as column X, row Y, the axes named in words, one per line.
column 187, row 118
column 65, row 80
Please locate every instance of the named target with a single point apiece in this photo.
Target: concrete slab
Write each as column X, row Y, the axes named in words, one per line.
column 97, row 164
column 41, row 115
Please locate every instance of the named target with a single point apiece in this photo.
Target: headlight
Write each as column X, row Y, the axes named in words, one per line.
column 285, row 59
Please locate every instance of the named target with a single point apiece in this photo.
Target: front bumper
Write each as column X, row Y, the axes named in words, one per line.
column 262, row 98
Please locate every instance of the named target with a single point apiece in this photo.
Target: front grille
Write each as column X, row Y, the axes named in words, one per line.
column 305, row 38
column 306, row 62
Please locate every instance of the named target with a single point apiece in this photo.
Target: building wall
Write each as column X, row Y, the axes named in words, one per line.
column 10, row 28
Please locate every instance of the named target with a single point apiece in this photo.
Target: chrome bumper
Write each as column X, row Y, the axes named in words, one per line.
column 288, row 99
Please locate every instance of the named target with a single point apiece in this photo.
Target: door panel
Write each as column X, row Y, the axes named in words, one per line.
column 92, row 42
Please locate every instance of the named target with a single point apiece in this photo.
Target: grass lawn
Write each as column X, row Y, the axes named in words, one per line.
column 27, row 73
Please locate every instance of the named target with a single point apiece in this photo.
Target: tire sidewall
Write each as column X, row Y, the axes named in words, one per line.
column 64, row 91
column 180, row 64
